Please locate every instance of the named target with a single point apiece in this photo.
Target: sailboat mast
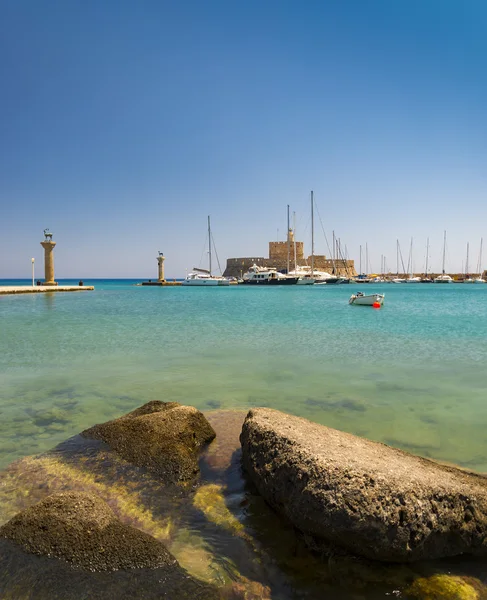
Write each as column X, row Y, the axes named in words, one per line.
column 360, row 259
column 294, row 232
column 480, row 257
column 209, row 245
column 466, row 262
column 288, row 240
column 444, row 250
column 312, row 236
column 366, row 257
column 411, row 274
column 427, row 252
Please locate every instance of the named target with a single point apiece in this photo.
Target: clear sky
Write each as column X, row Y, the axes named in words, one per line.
column 124, row 124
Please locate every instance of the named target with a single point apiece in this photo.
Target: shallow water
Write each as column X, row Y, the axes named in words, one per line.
column 410, row 374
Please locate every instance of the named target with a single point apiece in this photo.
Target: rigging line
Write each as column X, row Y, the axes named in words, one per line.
column 402, row 261
column 216, row 253
column 341, row 257
column 326, row 239
column 204, row 251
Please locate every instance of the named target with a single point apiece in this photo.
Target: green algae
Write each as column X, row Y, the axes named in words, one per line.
column 210, row 500
column 446, row 587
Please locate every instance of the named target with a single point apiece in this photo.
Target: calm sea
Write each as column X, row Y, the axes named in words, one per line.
column 411, row 374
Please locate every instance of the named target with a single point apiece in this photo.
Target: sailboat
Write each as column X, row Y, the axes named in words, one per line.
column 397, row 279
column 411, row 278
column 426, row 279
column 308, row 274
column 467, row 279
column 443, row 278
column 203, row 277
column 305, row 276
column 362, row 278
column 479, row 265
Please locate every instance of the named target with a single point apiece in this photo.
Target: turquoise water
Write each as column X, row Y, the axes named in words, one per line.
column 410, row 374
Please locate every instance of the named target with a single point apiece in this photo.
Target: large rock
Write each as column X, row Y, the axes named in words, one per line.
column 81, row 529
column 164, row 437
column 369, row 498
column 71, row 545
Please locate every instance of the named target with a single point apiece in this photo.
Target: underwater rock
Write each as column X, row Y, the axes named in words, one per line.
column 373, row 500
column 81, row 529
column 164, row 437
column 446, row 587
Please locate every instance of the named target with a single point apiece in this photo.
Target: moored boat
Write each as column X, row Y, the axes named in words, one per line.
column 203, row 277
column 366, row 299
column 443, row 278
column 267, row 276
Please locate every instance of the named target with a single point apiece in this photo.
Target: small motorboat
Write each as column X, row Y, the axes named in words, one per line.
column 366, row 299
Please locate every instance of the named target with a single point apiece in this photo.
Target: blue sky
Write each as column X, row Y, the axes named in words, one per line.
column 124, row 124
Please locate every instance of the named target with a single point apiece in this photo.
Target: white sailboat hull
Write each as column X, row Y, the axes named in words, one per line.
column 206, row 281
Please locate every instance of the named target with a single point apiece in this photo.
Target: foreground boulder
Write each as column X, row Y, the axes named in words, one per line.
column 164, row 437
column 81, row 529
column 71, row 545
column 369, row 498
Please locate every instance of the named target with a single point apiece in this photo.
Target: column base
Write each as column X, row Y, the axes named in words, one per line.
column 50, row 283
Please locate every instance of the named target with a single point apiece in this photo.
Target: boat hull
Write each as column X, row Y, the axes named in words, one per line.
column 287, row 281
column 206, row 282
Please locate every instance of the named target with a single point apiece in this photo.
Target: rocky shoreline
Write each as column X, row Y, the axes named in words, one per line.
column 164, row 502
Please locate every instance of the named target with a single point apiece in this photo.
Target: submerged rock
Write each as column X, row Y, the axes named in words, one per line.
column 81, row 529
column 371, row 499
column 446, row 587
column 164, row 437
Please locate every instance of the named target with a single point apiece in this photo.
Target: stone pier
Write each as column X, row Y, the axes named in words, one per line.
column 48, row 246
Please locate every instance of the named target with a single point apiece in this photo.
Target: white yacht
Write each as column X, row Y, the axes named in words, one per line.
column 267, row 276
column 443, row 279
column 203, row 277
column 305, row 272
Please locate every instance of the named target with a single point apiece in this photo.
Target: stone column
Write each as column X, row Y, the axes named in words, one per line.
column 49, row 262
column 160, row 261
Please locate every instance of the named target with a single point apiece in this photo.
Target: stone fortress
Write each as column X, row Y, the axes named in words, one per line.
column 278, row 257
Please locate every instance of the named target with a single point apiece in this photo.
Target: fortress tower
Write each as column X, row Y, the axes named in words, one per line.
column 48, row 246
column 278, row 251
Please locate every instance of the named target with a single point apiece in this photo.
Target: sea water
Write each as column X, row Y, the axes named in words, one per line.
column 411, row 374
